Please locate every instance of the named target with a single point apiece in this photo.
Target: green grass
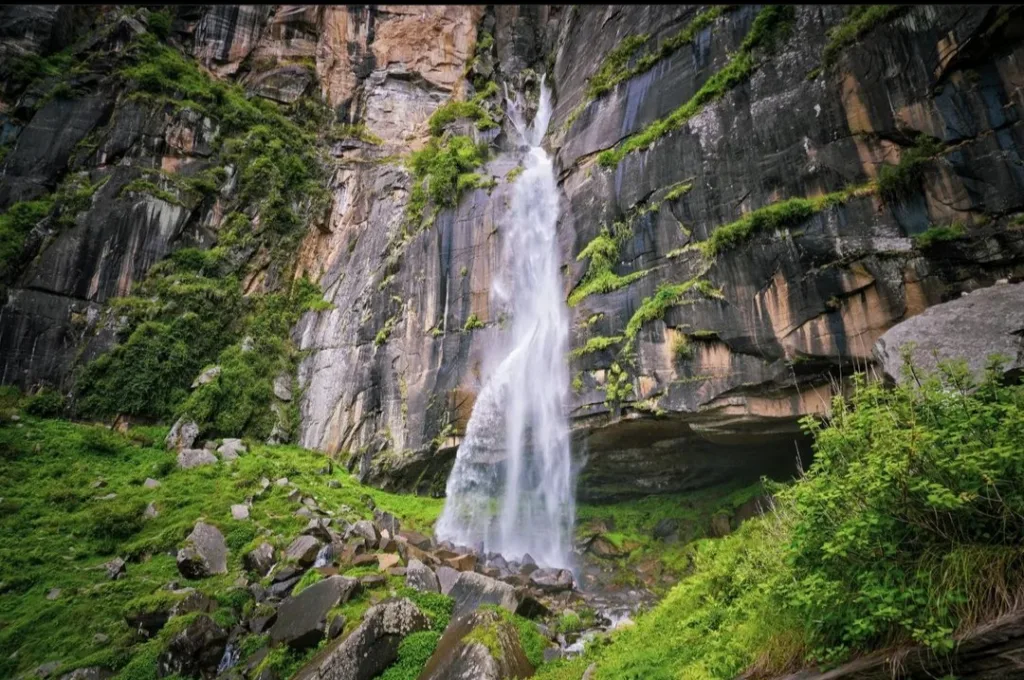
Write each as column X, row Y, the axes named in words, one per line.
column 603, row 253
column 771, row 25
column 442, row 171
column 472, row 323
column 938, row 234
column 897, row 181
column 53, row 532
column 668, row 295
column 858, row 22
column 413, row 654
column 596, row 344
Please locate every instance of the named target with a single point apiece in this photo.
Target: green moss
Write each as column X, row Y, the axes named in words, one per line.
column 603, row 253
column 896, row 181
column 472, row 323
column 442, row 171
column 596, row 344
column 384, row 333
column 858, row 22
column 413, row 653
column 309, row 578
column 682, row 349
column 437, row 607
column 357, row 131
column 678, row 191
column 455, row 110
column 668, row 295
column 938, row 234
column 768, row 27
column 143, row 186
column 514, row 173
column 15, row 224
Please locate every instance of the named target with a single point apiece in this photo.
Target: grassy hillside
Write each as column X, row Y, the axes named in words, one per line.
column 57, row 530
column 907, row 529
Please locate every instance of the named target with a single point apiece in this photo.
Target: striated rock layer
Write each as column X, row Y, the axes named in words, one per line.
column 708, row 388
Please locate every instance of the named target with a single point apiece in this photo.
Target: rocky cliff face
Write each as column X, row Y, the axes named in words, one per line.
column 751, row 199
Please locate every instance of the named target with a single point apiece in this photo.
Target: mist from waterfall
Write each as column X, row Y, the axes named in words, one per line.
column 511, row 488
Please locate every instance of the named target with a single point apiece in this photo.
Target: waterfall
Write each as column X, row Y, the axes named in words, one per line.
column 511, row 488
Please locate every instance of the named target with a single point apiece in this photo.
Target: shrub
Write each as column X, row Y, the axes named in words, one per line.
column 15, row 224
column 436, row 606
column 45, row 404
column 413, row 653
column 937, row 234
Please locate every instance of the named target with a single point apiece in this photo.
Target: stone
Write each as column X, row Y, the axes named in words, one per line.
column 283, row 387
column 194, row 651
column 53, row 594
column 240, row 512
column 446, row 577
column 206, row 552
column 462, row 562
column 101, row 638
column 551, row 580
column 304, row 512
column 364, row 560
column 206, row 377
column 283, row 588
column 373, row 580
column 370, row 648
column 387, row 560
column 600, row 546
column 182, row 435
column 973, row 327
column 320, row 528
column 303, row 550
column 210, row 445
column 421, row 577
column 471, row 590
column 115, row 568
column 150, row 512
column 302, row 619
column 230, row 449
column 364, row 529
column 190, row 458
column 91, row 672
column 99, row 484
column 108, row 497
column 47, row 669
column 333, row 484
column 385, row 521
column 419, row 540
column 151, row 483
column 336, row 626
column 194, row 602
column 665, row 528
column 397, row 571
column 294, row 496
column 461, row 654
column 283, row 481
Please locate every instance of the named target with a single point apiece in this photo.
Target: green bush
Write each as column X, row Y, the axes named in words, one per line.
column 15, row 224
column 436, row 606
column 938, row 234
column 896, row 181
column 45, row 404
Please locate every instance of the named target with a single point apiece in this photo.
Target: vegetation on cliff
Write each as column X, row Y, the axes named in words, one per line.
column 906, row 529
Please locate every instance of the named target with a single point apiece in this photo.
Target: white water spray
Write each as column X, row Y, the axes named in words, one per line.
column 511, row 489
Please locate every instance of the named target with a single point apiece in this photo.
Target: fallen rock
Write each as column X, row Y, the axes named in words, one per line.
column 387, row 560
column 283, row 387
column 194, row 651
column 190, row 458
column 240, row 512
column 972, row 327
column 303, row 550
column 720, row 525
column 302, row 619
column 260, row 559
column 91, row 673
column 47, row 669
column 182, row 435
column 150, row 512
column 192, row 603
column 665, row 528
column 336, row 626
column 230, row 449
column 206, row 553
column 600, row 546
column 421, row 577
column 446, row 577
column 551, row 580
column 386, row 522
column 206, row 376
column 115, row 568
column 373, row 580
column 151, row 483
column 364, row 529
column 471, row 590
column 371, row 647
column 53, row 594
column 419, row 540
column 460, row 655
column 462, row 562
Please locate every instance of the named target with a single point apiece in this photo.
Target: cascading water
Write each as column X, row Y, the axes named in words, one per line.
column 511, row 488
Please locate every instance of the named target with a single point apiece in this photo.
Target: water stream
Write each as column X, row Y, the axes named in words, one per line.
column 511, row 488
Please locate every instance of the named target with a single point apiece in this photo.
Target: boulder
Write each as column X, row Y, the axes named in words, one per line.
column 551, row 580
column 601, row 547
column 371, row 647
column 302, row 619
column 182, row 435
column 471, row 590
column 364, row 529
column 90, row 673
column 465, row 562
column 387, row 560
column 192, row 603
column 194, row 651
column 283, row 387
column 151, row 483
column 720, row 525
column 303, row 550
column 421, row 577
column 260, row 559
column 231, row 449
column 206, row 377
column 373, row 580
column 446, row 577
column 319, row 528
column 666, row 528
column 205, row 552
column 190, row 458
column 386, row 522
column 240, row 512
column 460, row 654
column 972, row 327
column 150, row 512
column 115, row 568
column 419, row 540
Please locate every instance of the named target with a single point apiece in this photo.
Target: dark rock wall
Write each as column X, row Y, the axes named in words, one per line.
column 799, row 308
